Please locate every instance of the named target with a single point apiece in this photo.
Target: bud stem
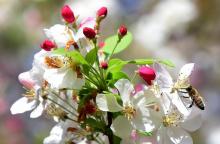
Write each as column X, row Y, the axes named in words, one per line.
column 118, row 41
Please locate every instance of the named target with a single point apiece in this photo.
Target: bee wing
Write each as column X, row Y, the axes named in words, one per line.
column 163, row 77
column 184, row 75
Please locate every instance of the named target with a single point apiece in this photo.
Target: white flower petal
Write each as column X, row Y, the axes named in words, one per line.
column 37, row 111
column 60, row 34
column 179, row 136
column 108, row 102
column 176, row 100
column 162, row 137
column 186, row 71
column 163, row 77
column 62, row 78
column 125, row 89
column 183, row 80
column 142, row 121
column 56, row 135
column 121, row 127
column 165, row 102
column 23, row 105
column 193, row 122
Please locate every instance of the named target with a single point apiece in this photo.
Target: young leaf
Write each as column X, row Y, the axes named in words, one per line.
column 167, row 62
column 151, row 61
column 142, row 61
column 111, row 42
column 115, row 76
column 116, row 65
column 75, row 55
column 91, row 56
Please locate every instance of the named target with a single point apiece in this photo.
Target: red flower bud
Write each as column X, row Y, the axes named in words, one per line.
column 102, row 12
column 47, row 45
column 67, row 14
column 122, row 31
column 147, row 73
column 104, row 65
column 89, row 32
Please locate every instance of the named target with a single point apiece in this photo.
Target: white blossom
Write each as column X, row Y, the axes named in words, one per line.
column 136, row 115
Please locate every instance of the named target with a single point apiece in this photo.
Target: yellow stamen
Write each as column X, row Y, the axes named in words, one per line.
column 172, row 119
column 30, row 94
column 129, row 112
column 53, row 62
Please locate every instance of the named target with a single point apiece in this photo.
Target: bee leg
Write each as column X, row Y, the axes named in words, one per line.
column 191, row 104
column 185, row 96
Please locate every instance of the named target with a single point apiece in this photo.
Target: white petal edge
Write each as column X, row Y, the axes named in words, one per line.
column 186, row 71
column 163, row 77
column 121, row 127
column 108, row 102
column 179, row 136
column 22, row 105
column 125, row 89
column 37, row 111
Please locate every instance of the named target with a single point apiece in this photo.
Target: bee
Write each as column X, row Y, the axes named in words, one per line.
column 183, row 85
column 197, row 99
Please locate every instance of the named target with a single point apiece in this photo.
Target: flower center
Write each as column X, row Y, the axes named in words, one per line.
column 53, row 62
column 172, row 119
column 129, row 112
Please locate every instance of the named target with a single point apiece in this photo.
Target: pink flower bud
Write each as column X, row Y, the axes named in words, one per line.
column 101, row 44
column 104, row 65
column 147, row 73
column 67, row 14
column 47, row 45
column 89, row 32
column 102, row 12
column 122, row 31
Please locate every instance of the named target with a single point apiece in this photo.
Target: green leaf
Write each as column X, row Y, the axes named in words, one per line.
column 75, row 55
column 116, row 65
column 115, row 76
column 96, row 125
column 111, row 42
column 91, row 56
column 151, row 61
column 142, row 61
column 167, row 62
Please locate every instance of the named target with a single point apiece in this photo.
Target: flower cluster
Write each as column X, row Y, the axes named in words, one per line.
column 75, row 81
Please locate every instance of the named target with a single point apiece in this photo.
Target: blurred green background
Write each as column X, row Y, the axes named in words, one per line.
column 180, row 30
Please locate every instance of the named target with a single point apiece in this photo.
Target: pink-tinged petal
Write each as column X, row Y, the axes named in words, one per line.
column 179, row 136
column 163, row 77
column 23, row 105
column 26, row 80
column 88, row 22
column 121, row 127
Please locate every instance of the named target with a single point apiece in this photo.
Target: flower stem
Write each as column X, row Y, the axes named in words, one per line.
column 118, row 41
column 109, row 133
